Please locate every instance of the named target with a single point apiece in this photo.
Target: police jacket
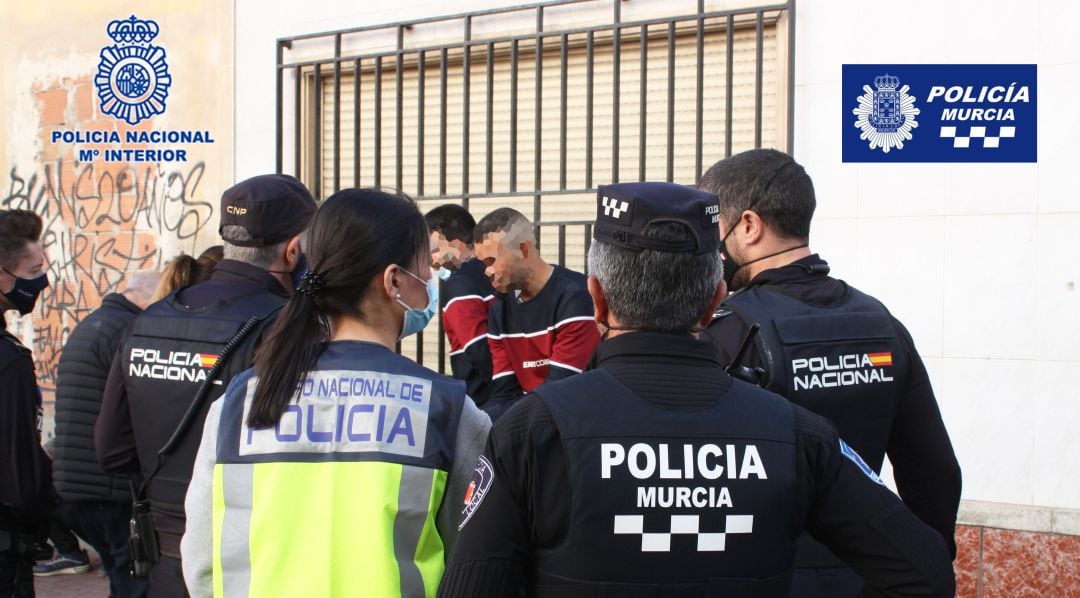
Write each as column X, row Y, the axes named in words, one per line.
column 355, row 492
column 80, row 383
column 163, row 361
column 658, row 474
column 25, row 470
column 838, row 352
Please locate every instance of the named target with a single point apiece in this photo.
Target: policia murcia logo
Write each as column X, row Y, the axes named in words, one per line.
column 133, row 79
column 886, row 116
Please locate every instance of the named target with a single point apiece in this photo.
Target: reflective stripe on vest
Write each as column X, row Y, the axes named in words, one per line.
column 340, row 497
column 273, row 537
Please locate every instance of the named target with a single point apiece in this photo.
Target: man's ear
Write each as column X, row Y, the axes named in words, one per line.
column 753, row 227
column 600, row 306
column 292, row 253
column 718, row 296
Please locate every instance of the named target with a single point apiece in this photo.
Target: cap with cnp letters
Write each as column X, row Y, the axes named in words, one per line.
column 270, row 207
column 624, row 210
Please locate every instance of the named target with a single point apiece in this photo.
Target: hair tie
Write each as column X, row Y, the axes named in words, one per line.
column 311, row 284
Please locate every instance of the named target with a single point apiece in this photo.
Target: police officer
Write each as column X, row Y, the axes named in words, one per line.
column 174, row 345
column 26, row 490
column 657, row 473
column 335, row 466
column 826, row 346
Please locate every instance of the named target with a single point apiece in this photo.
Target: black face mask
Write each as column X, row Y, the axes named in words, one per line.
column 24, row 294
column 730, row 265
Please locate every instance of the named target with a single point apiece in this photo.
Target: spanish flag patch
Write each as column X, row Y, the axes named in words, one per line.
column 880, row 359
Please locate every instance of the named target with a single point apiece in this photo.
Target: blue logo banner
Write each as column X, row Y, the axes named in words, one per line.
column 939, row 113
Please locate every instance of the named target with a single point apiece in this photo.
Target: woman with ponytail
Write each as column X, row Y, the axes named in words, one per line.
column 335, row 466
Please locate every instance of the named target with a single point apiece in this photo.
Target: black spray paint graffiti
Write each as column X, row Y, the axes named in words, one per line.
column 99, row 227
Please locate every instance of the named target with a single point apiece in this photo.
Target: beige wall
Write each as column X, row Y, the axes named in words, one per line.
column 105, row 220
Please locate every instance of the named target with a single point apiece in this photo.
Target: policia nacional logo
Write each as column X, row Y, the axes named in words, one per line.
column 852, row 369
column 174, row 366
column 478, row 488
column 133, row 79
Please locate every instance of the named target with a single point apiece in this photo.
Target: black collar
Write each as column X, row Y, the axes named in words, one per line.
column 639, row 344
column 811, row 266
column 233, row 270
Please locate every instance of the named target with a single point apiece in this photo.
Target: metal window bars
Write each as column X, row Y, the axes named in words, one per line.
column 450, row 89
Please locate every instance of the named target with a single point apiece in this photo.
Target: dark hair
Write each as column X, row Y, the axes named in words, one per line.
column 18, row 228
column 768, row 182
column 661, row 291
column 212, row 255
column 355, row 235
column 185, row 271
column 453, row 222
column 500, row 220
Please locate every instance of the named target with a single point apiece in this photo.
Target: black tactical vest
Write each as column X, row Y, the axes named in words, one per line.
column 165, row 359
column 697, row 502
column 844, row 362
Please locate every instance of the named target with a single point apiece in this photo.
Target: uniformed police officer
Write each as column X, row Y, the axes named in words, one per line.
column 657, row 473
column 26, row 490
column 176, row 342
column 335, row 468
column 826, row 346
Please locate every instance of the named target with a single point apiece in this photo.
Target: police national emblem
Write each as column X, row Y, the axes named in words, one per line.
column 886, row 115
column 133, row 79
column 483, row 477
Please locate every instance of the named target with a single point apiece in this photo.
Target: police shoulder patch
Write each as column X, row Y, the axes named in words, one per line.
column 721, row 313
column 852, row 455
column 483, row 477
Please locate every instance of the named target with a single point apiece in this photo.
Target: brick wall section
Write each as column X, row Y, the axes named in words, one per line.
column 103, row 221
column 993, row 563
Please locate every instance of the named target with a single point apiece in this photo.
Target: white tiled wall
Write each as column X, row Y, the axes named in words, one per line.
column 981, row 262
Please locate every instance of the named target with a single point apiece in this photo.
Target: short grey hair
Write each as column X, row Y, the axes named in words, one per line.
column 652, row 290
column 260, row 257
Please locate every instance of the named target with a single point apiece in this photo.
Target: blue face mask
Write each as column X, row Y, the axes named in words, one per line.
column 417, row 319
column 443, row 274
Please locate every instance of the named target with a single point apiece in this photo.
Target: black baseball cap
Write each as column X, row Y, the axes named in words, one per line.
column 625, row 209
column 272, row 208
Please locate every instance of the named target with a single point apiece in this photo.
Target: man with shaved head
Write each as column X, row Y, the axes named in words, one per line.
column 540, row 327
column 96, row 504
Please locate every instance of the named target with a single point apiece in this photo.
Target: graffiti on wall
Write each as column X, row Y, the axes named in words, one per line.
column 101, row 225
column 102, row 220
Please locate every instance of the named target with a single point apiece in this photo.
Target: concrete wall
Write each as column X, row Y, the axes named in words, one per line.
column 977, row 260
column 105, row 220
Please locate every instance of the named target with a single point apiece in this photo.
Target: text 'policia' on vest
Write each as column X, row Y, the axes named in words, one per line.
column 656, row 473
column 333, row 467
column 176, row 345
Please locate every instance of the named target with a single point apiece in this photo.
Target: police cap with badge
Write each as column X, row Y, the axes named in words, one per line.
column 272, row 208
column 625, row 210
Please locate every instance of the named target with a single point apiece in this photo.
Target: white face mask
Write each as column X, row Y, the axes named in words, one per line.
column 443, row 274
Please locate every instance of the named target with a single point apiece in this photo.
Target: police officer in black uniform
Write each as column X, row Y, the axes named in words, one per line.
column 657, row 473
column 174, row 344
column 26, row 490
column 827, row 347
